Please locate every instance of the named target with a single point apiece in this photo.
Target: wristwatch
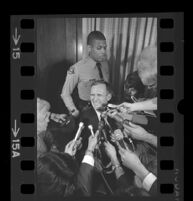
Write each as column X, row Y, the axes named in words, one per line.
column 73, row 110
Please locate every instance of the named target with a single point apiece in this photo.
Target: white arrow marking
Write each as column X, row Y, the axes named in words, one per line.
column 15, row 37
column 15, row 130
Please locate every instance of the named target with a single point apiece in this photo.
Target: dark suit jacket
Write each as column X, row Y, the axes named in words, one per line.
column 84, row 178
column 63, row 179
column 125, row 188
column 89, row 116
column 153, row 189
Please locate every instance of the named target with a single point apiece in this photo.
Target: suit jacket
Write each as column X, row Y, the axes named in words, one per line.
column 125, row 188
column 69, row 178
column 153, row 189
column 84, row 178
column 44, row 142
column 89, row 116
column 83, row 181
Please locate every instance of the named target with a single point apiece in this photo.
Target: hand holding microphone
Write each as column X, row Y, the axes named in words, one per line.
column 118, row 138
column 92, row 142
column 80, row 128
column 72, row 147
column 125, row 116
column 90, row 127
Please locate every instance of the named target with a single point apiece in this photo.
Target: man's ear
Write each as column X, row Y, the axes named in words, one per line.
column 88, row 48
column 109, row 96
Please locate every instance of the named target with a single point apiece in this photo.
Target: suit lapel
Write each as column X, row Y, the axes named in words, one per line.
column 93, row 119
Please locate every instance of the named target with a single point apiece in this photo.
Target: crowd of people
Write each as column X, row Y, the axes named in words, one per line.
column 115, row 150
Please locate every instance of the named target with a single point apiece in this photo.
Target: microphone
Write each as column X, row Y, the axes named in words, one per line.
column 80, row 128
column 101, row 125
column 121, row 141
column 104, row 116
column 102, row 134
column 90, row 127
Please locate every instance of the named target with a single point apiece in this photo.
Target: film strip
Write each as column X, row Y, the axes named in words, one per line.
column 23, row 37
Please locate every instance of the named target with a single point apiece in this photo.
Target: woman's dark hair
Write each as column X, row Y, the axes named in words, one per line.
column 133, row 81
column 56, row 175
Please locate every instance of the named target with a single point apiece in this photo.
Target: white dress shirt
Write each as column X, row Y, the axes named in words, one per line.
column 148, row 181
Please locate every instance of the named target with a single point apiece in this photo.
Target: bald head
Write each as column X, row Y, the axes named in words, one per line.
column 42, row 115
column 42, row 105
column 147, row 66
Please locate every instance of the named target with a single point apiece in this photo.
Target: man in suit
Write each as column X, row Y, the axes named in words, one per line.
column 100, row 95
column 59, row 176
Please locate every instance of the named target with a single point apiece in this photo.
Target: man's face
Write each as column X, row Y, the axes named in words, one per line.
column 98, row 50
column 99, row 96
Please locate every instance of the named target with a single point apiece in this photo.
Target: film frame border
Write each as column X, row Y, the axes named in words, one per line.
column 23, row 103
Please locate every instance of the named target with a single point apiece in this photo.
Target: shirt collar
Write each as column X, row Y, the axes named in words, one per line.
column 98, row 114
column 93, row 63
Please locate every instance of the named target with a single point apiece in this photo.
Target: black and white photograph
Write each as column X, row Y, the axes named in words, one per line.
column 96, row 106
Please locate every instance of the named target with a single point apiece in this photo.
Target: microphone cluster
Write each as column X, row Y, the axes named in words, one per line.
column 116, row 114
column 80, row 129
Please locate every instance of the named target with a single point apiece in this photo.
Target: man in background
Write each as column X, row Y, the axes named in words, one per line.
column 85, row 72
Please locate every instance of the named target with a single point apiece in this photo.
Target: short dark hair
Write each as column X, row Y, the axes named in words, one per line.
column 108, row 86
column 95, row 35
column 56, row 174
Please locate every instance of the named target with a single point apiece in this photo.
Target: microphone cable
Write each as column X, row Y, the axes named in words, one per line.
column 100, row 169
column 106, row 183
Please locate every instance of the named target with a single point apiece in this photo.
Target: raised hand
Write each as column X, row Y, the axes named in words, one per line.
column 58, row 117
column 62, row 117
column 123, row 107
column 129, row 158
column 135, row 131
column 131, row 161
column 126, row 107
column 92, row 141
column 72, row 147
column 111, row 152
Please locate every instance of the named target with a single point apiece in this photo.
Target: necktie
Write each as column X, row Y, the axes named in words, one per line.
column 100, row 71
